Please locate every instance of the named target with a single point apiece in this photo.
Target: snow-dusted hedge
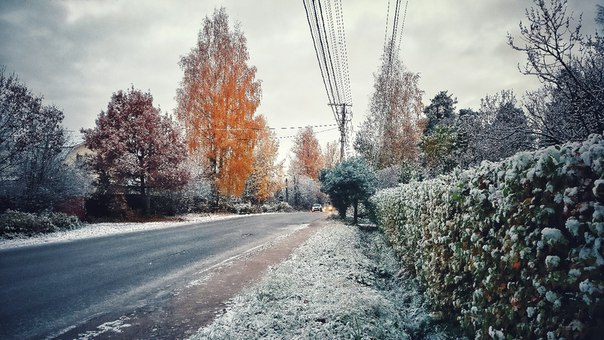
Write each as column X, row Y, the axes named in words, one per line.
column 512, row 249
column 15, row 223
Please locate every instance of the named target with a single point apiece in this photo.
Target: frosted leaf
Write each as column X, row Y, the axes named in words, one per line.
column 586, row 158
column 573, row 226
column 574, row 272
column 586, row 287
column 496, row 333
column 553, row 298
column 589, row 238
column 549, row 187
column 552, row 261
column 597, row 250
column 530, row 175
column 552, row 236
column 530, row 311
column 576, row 326
column 585, row 253
column 570, row 195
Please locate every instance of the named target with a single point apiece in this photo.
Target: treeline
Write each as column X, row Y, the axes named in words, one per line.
column 404, row 140
column 214, row 153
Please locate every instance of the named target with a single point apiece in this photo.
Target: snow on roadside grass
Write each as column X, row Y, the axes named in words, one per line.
column 106, row 229
column 342, row 283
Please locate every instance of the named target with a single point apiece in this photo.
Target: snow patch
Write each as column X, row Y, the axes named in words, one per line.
column 111, row 326
column 106, row 229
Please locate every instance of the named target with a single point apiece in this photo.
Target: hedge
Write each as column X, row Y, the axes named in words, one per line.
column 511, row 249
column 16, row 223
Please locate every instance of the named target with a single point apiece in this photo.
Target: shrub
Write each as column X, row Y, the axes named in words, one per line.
column 13, row 223
column 244, row 208
column 512, row 249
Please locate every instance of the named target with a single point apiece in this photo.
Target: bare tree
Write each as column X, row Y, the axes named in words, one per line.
column 393, row 127
column 570, row 106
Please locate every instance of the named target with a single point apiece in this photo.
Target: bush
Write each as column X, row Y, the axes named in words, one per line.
column 14, row 223
column 512, row 249
column 244, row 208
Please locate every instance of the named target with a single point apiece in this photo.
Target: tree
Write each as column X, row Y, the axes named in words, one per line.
column 18, row 108
column 331, row 156
column 470, row 128
column 570, row 106
column 393, row 127
column 437, row 149
column 217, row 99
column 136, row 147
column 498, row 130
column 508, row 130
column 266, row 178
column 304, row 192
column 308, row 159
column 441, row 110
column 39, row 160
column 440, row 138
column 349, row 183
column 32, row 137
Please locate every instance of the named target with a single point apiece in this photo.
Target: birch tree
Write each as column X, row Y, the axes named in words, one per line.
column 391, row 132
column 217, row 99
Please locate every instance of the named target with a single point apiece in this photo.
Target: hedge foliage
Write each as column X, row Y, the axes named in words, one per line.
column 16, row 223
column 511, row 249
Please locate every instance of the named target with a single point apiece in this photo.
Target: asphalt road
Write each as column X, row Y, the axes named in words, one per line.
column 48, row 289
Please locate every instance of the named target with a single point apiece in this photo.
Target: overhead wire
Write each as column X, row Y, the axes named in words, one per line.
column 400, row 37
column 329, row 56
column 315, row 45
column 329, row 43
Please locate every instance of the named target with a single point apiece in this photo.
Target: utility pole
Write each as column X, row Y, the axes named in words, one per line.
column 342, row 119
column 286, row 191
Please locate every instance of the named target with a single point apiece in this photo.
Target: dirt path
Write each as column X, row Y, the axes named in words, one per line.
column 183, row 312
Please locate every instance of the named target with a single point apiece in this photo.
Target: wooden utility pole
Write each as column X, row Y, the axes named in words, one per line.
column 343, row 119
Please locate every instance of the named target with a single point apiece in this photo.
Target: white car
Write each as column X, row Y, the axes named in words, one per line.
column 316, row 207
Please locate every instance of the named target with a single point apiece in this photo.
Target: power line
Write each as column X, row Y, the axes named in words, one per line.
column 253, row 139
column 315, row 45
column 329, row 42
column 270, row 128
column 398, row 49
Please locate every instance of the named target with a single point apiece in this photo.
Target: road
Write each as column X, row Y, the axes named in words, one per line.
column 47, row 290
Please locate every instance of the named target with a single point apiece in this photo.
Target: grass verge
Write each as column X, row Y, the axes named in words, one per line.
column 343, row 283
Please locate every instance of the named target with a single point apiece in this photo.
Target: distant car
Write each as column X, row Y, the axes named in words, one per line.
column 316, row 207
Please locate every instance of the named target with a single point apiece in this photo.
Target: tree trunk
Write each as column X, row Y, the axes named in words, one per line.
column 145, row 196
column 356, row 212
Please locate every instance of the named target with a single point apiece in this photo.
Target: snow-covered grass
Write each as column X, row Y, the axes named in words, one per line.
column 105, row 229
column 342, row 283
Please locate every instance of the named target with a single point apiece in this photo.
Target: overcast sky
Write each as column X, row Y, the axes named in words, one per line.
column 77, row 53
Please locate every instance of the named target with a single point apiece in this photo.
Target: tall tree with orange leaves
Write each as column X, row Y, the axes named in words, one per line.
column 308, row 159
column 217, row 99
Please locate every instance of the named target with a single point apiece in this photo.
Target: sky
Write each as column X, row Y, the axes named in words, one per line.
column 76, row 53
